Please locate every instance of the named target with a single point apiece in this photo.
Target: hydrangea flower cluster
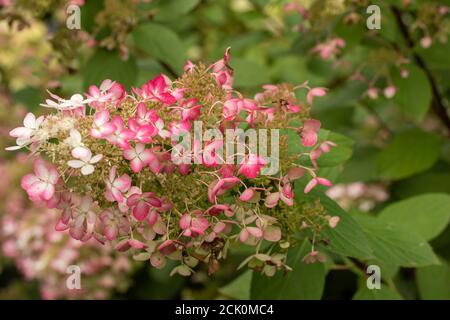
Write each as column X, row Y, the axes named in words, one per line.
column 28, row 237
column 112, row 173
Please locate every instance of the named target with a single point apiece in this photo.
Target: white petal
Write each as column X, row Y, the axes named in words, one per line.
column 159, row 124
column 87, row 157
column 96, row 158
column 54, row 96
column 87, row 169
column 47, row 104
column 75, row 136
column 21, row 132
column 81, row 153
column 106, row 85
column 13, row 148
column 29, row 121
column 75, row 163
column 39, row 121
column 21, row 141
column 77, row 98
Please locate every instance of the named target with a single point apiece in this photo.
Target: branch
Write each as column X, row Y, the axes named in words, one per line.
column 437, row 105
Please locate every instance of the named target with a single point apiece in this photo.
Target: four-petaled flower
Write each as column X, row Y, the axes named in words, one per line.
column 121, row 136
column 101, row 127
column 41, row 184
column 74, row 140
column 142, row 203
column 139, row 157
column 85, row 163
column 193, row 224
column 156, row 90
column 116, row 186
column 25, row 134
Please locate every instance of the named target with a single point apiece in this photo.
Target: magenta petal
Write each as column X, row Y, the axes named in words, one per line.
column 140, row 211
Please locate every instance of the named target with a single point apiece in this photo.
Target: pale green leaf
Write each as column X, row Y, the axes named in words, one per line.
column 396, row 245
column 161, row 43
column 410, row 152
column 427, row 215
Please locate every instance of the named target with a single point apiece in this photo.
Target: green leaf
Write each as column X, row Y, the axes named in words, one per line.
column 30, row 97
column 348, row 237
column 433, row 282
column 239, row 288
column 427, row 215
column 305, row 281
column 384, row 293
column 396, row 245
column 437, row 55
column 410, row 152
column 249, row 73
column 169, row 10
column 362, row 167
column 161, row 43
column 108, row 65
column 413, row 93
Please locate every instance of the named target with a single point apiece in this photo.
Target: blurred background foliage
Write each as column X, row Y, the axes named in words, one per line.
column 400, row 168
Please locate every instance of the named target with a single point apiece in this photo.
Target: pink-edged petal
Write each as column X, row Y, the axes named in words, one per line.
column 123, row 183
column 117, row 195
column 53, row 175
column 35, row 190
column 146, row 156
column 101, row 117
column 40, row 169
column 20, row 132
column 136, row 165
column 129, row 154
column 48, row 192
column 28, row 180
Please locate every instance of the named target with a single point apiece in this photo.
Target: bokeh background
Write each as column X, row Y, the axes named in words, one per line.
column 388, row 91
